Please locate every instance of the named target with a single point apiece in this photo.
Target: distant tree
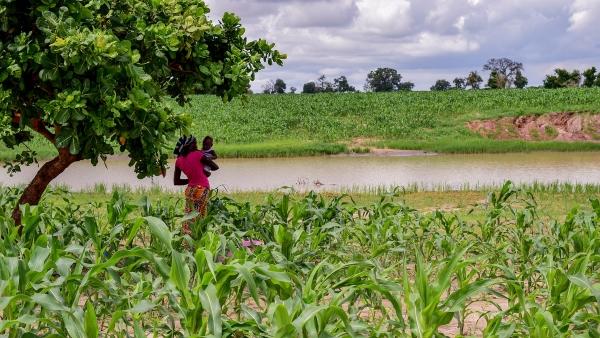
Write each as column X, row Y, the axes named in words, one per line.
column 279, row 87
column 590, row 78
column 269, row 87
column 505, row 71
column 309, row 88
column 341, row 85
column 474, row 80
column 324, row 86
column 496, row 81
column 406, row 86
column 441, row 85
column 520, row 80
column 459, row 83
column 562, row 78
column 293, row 90
column 385, row 80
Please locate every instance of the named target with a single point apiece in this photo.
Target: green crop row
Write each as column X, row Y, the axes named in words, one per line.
column 327, row 268
column 387, row 116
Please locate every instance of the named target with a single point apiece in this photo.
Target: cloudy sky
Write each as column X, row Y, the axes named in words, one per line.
column 424, row 39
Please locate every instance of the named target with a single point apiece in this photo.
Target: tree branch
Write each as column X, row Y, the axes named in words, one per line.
column 38, row 125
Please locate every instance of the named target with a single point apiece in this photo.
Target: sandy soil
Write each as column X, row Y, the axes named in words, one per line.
column 564, row 126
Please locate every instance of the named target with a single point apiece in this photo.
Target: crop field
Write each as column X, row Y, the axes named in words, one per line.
column 327, row 267
column 406, row 120
column 298, row 125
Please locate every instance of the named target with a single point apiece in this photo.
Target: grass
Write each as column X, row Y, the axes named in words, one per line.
column 555, row 200
column 300, row 125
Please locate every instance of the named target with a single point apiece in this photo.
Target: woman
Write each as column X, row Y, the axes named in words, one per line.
column 191, row 162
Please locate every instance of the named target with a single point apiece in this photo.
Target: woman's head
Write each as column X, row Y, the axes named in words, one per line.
column 185, row 145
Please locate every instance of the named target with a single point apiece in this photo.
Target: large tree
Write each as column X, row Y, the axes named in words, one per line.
column 474, row 80
column 590, row 78
column 441, row 85
column 562, row 78
column 341, row 85
column 459, row 83
column 385, row 80
column 91, row 75
column 279, row 87
column 520, row 80
column 505, row 71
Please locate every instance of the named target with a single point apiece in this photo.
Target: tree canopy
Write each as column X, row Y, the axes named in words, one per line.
column 562, row 78
column 441, row 85
column 386, row 80
column 92, row 75
column 503, row 72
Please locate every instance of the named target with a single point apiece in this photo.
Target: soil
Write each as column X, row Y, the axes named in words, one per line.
column 563, row 126
column 363, row 144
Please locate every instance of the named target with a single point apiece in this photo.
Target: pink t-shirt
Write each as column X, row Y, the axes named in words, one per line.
column 193, row 168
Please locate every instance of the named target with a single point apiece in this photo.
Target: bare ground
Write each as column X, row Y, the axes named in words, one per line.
column 562, row 126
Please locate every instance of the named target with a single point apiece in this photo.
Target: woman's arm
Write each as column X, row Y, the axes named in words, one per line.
column 177, row 180
column 213, row 166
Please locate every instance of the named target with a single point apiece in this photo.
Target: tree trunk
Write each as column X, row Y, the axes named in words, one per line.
column 49, row 171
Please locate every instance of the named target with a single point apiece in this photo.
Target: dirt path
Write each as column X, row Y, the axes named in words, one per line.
column 362, row 146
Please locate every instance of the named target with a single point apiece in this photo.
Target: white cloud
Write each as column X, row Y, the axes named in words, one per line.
column 383, row 16
column 584, row 16
column 423, row 39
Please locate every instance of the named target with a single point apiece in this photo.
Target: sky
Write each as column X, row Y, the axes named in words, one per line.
column 424, row 40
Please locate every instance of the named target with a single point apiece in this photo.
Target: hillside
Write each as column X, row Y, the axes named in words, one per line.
column 297, row 125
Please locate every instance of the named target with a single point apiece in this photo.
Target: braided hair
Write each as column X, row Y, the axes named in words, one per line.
column 184, row 145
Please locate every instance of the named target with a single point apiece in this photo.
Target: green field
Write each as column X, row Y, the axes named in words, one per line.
column 294, row 125
column 497, row 265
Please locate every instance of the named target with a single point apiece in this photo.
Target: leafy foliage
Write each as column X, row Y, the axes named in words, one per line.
column 90, row 75
column 441, row 85
column 503, row 72
column 386, row 80
column 328, row 268
column 562, row 78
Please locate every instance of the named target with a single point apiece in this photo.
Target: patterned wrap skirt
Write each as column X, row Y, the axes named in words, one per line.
column 196, row 199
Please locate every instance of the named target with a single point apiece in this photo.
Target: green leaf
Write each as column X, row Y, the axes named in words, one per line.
column 48, row 302
column 74, row 325
column 38, row 258
column 160, row 231
column 91, row 322
column 142, row 307
column 180, row 272
column 210, row 302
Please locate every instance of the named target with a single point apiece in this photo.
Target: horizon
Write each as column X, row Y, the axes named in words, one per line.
column 425, row 40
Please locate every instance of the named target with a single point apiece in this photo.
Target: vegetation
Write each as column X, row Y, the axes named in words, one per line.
column 562, row 78
column 504, row 73
column 296, row 125
column 322, row 85
column 328, row 267
column 386, row 80
column 90, row 76
column 443, row 85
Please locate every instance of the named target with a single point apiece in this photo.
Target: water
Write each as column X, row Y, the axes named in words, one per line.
column 337, row 173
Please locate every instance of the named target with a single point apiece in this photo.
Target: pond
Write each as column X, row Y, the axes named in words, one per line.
column 340, row 173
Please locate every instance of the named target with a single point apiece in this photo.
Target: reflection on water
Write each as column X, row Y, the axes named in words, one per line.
column 343, row 172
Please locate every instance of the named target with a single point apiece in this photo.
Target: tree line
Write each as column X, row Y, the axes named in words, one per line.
column 562, row 78
column 504, row 73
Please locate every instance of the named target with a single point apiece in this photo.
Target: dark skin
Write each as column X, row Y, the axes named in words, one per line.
column 177, row 180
